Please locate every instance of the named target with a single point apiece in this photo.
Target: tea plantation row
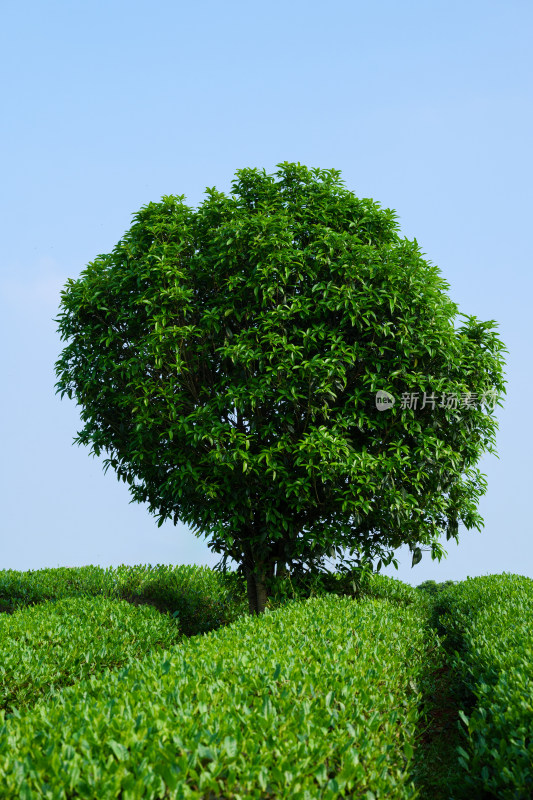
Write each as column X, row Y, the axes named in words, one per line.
column 144, row 682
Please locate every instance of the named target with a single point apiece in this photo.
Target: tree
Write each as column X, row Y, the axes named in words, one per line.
column 228, row 359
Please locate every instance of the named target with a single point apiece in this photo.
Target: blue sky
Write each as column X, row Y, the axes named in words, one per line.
column 424, row 107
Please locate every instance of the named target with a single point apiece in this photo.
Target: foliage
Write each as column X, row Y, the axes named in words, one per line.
column 208, row 719
column 56, row 644
column 433, row 589
column 435, row 682
column 492, row 616
column 200, row 598
column 227, row 359
column 20, row 589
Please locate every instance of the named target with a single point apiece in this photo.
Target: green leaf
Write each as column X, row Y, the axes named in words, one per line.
column 119, row 750
column 408, row 750
column 230, row 746
column 465, row 720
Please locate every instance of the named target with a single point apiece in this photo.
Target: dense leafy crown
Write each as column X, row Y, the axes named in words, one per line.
column 228, row 358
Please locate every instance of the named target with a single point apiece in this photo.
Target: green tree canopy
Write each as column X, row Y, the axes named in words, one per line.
column 227, row 359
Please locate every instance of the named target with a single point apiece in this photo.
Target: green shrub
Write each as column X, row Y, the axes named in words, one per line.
column 46, row 647
column 317, row 699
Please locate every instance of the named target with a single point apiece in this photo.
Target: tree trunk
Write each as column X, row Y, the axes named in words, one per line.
column 256, row 587
column 250, row 589
column 261, row 591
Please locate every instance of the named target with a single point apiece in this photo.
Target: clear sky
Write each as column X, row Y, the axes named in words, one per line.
column 425, row 107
